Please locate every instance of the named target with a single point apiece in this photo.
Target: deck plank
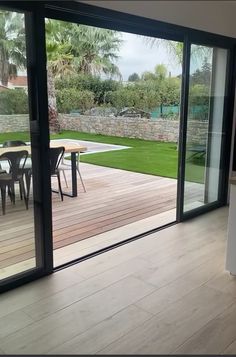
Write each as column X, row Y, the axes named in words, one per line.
column 114, row 198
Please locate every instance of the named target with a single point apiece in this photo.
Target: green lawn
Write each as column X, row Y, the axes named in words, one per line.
column 149, row 157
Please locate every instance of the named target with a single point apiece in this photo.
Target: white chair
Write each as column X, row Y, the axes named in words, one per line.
column 64, row 166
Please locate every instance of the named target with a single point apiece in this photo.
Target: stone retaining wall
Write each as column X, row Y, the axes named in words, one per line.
column 13, row 123
column 142, row 128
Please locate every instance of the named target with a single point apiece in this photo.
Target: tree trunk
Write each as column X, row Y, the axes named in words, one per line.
column 52, row 104
column 4, row 72
column 161, row 110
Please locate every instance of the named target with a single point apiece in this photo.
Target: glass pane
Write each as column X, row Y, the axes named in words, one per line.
column 124, row 108
column 204, row 126
column 17, row 235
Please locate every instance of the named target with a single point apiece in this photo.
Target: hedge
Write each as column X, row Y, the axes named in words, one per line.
column 14, row 101
column 73, row 99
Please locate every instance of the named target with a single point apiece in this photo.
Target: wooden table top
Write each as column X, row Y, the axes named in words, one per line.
column 69, row 147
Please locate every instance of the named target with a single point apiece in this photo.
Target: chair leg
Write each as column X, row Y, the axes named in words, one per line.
column 3, row 194
column 59, row 185
column 64, row 175
column 12, row 194
column 28, row 182
column 81, row 179
column 21, row 196
column 22, row 187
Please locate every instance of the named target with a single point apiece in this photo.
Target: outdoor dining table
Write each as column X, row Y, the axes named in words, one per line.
column 72, row 148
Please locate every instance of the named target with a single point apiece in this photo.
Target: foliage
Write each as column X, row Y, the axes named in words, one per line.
column 72, row 49
column 13, row 101
column 91, row 83
column 199, row 94
column 202, row 76
column 199, row 102
column 146, row 95
column 12, row 44
column 134, row 77
column 169, row 91
column 135, row 96
column 81, row 49
column 174, row 49
column 143, row 94
column 72, row 99
column 160, row 72
column 148, row 76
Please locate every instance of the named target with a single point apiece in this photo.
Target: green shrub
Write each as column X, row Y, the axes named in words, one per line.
column 73, row 99
column 94, row 84
column 134, row 96
column 13, row 101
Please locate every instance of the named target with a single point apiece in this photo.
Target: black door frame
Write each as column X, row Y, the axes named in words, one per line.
column 100, row 17
column 36, row 12
column 39, row 132
column 226, row 128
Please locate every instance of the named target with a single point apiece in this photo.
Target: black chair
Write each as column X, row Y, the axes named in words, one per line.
column 56, row 155
column 16, row 161
column 28, row 163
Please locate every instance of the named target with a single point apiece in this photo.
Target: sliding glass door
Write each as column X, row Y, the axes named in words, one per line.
column 206, row 110
column 24, row 180
column 204, row 127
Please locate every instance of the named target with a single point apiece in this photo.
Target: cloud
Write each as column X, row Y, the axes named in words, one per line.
column 136, row 55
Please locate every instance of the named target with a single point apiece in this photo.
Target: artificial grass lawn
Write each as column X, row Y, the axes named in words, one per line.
column 148, row 157
column 144, row 156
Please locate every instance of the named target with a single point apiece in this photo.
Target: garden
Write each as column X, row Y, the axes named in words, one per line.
column 83, row 79
column 143, row 156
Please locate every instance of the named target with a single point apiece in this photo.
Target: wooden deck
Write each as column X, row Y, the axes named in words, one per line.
column 114, row 198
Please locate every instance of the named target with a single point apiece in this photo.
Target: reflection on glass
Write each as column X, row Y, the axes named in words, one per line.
column 17, row 241
column 204, row 126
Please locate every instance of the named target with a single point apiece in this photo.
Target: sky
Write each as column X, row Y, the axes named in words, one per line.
column 135, row 55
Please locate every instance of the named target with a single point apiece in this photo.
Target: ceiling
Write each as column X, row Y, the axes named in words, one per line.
column 213, row 16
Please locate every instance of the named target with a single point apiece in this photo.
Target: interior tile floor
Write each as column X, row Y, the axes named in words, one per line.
column 162, row 294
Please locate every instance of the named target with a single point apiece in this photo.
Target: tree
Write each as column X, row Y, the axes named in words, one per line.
column 148, row 76
column 159, row 74
column 160, row 71
column 199, row 101
column 203, row 75
column 94, row 84
column 95, row 49
column 167, row 89
column 134, row 77
column 59, row 63
column 12, row 45
column 137, row 96
column 72, row 49
column 175, row 49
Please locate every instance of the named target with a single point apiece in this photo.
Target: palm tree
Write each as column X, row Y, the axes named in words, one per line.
column 95, row 50
column 59, row 63
column 12, row 45
column 73, row 48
